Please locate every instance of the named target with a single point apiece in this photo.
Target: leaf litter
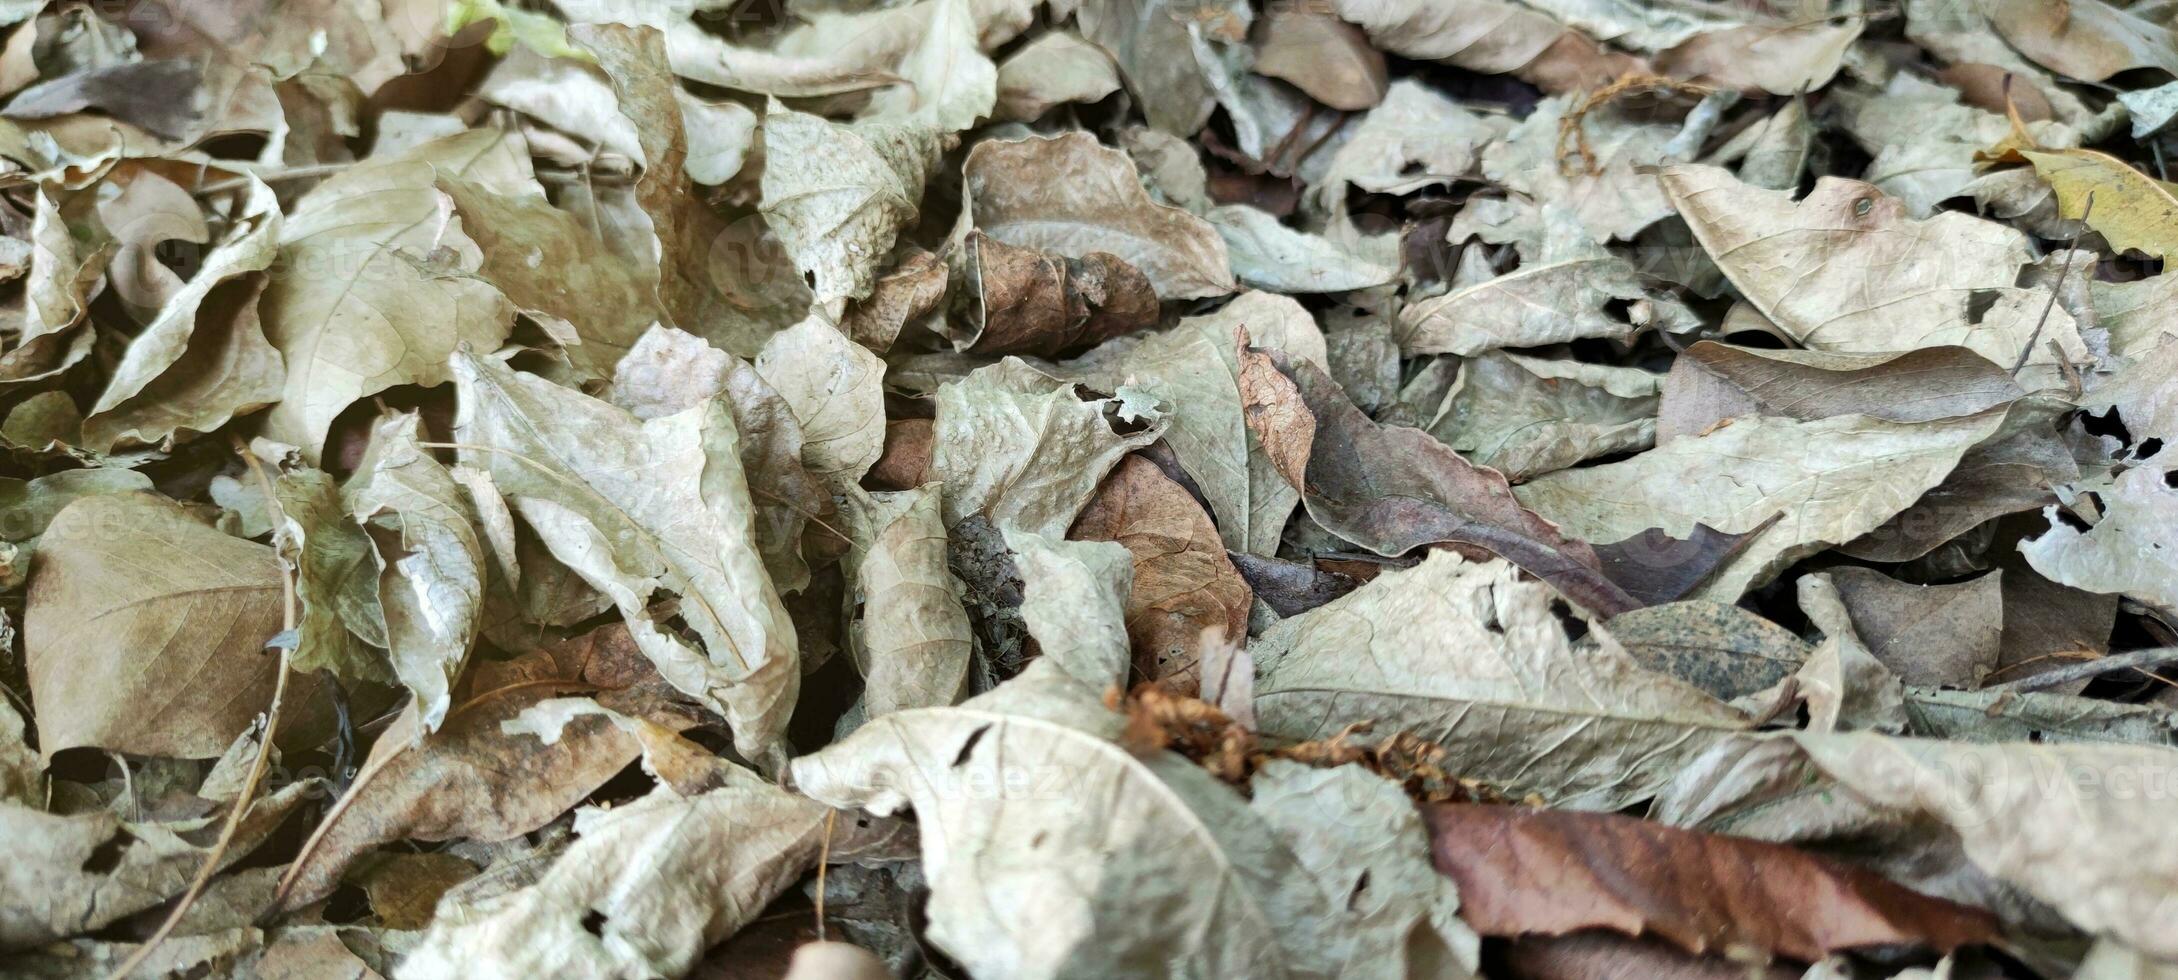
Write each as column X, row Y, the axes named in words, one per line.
column 1102, row 488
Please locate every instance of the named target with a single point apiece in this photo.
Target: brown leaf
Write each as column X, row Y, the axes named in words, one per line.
column 1391, row 489
column 1321, row 55
column 1929, row 635
column 910, row 292
column 469, row 778
column 1528, row 872
column 1184, row 586
column 1595, row 954
column 906, row 461
column 1717, row 647
column 1071, row 194
column 145, row 630
column 1291, row 587
column 1014, row 300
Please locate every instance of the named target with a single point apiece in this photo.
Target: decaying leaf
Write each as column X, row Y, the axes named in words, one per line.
column 1016, row 300
column 1536, row 872
column 1070, row 195
column 837, row 195
column 1471, row 658
column 2130, row 551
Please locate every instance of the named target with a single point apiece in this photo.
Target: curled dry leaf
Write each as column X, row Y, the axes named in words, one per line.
column 1070, row 195
column 913, row 642
column 1014, row 300
column 203, row 359
column 1074, row 603
column 1027, row 451
column 1528, row 872
column 1108, row 827
column 635, row 507
column 1323, row 56
column 1489, row 36
column 1469, row 657
column 838, row 195
column 1053, row 69
column 835, row 388
column 1184, row 587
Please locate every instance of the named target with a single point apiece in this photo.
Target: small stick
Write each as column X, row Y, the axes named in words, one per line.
column 247, row 796
column 824, row 858
column 2062, row 271
column 2140, row 660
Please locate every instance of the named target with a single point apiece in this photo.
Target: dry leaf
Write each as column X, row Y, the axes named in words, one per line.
column 2131, row 550
column 1070, row 195
column 1321, row 55
column 1469, row 657
column 637, row 506
column 835, row 388
column 1046, row 880
column 913, row 643
column 1055, row 68
column 1929, row 635
column 1184, row 586
column 178, row 613
column 469, row 778
column 1193, row 371
column 837, row 195
column 1527, row 416
column 356, row 306
column 1391, row 489
column 1720, row 648
column 1524, row 872
column 1017, row 300
column 1027, row 451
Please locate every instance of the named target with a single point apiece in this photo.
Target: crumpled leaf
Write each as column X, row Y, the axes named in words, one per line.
column 2032, row 816
column 431, row 559
column 1074, row 603
column 2085, row 39
column 1155, row 43
column 1192, row 369
column 1052, row 882
column 178, row 613
column 2132, row 550
column 837, row 195
column 355, row 308
column 645, row 888
column 1073, row 196
column 1471, row 658
column 1417, row 138
column 1026, row 451
column 70, row 874
column 636, row 506
column 341, row 626
column 835, row 388
column 203, row 359
column 1834, row 479
column 1526, row 872
column 913, row 643
column 670, row 371
column 1014, row 300
column 1183, row 585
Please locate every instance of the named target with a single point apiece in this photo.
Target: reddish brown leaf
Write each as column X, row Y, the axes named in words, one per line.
column 1015, row 300
column 1184, row 584
column 1538, row 872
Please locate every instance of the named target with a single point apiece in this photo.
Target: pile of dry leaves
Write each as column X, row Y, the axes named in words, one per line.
column 1088, row 488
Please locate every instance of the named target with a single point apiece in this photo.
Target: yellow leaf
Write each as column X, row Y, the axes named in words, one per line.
column 2132, row 209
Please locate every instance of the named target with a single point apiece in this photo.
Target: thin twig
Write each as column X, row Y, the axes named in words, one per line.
column 2062, row 271
column 824, row 859
column 2140, row 660
column 247, row 796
